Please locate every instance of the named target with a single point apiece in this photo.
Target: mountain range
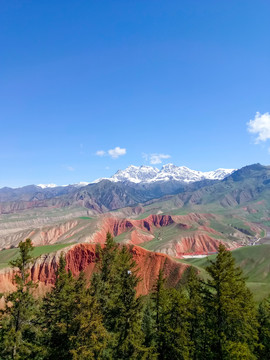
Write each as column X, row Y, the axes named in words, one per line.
column 178, row 216
column 168, row 172
column 148, row 174
column 241, row 198
column 226, row 188
column 126, row 187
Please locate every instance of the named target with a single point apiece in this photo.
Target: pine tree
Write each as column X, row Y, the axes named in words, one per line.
column 196, row 314
column 89, row 337
column 230, row 309
column 73, row 325
column 148, row 327
column 58, row 314
column 19, row 331
column 264, row 329
column 160, row 306
column 128, row 309
column 114, row 287
column 171, row 325
column 104, row 283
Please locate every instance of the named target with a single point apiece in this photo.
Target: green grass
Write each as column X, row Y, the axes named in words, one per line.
column 11, row 254
column 255, row 263
column 180, row 211
column 44, row 215
column 220, row 227
column 121, row 237
column 166, row 234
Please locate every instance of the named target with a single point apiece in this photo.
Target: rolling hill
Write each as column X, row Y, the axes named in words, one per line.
column 255, row 263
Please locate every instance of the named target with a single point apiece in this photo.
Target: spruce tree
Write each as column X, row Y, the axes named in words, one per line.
column 196, row 314
column 148, row 326
column 58, row 314
column 264, row 329
column 128, row 309
column 89, row 337
column 73, row 325
column 114, row 287
column 160, row 305
column 171, row 322
column 230, row 308
column 19, row 331
column 105, row 280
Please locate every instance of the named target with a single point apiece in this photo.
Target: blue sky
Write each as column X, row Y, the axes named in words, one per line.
column 89, row 87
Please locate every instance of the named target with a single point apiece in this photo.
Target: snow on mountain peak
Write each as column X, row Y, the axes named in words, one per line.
column 46, row 186
column 148, row 174
column 135, row 174
column 168, row 172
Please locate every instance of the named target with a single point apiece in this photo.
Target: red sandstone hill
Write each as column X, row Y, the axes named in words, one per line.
column 117, row 226
column 82, row 257
column 173, row 235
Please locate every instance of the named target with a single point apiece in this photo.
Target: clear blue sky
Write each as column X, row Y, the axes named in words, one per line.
column 179, row 78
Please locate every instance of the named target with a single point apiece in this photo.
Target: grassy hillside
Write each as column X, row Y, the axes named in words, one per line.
column 255, row 263
column 245, row 193
column 7, row 255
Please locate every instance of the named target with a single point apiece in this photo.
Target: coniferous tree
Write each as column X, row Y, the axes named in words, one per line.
column 264, row 329
column 148, row 327
column 104, row 281
column 129, row 336
column 19, row 331
column 171, row 325
column 160, row 305
column 72, row 319
column 58, row 314
column 114, row 287
column 231, row 312
column 177, row 326
column 196, row 314
column 89, row 337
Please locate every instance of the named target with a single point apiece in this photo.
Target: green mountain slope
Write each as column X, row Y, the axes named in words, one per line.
column 11, row 254
column 255, row 263
column 245, row 193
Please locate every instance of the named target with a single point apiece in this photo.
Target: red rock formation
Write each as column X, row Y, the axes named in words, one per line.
column 51, row 235
column 117, row 226
column 195, row 244
column 202, row 244
column 192, row 218
column 83, row 257
column 140, row 231
column 138, row 237
column 209, row 230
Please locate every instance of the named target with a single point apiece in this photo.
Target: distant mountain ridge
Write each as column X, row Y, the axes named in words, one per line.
column 251, row 183
column 232, row 209
column 137, row 175
column 168, row 172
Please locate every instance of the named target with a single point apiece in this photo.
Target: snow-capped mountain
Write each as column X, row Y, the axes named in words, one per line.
column 47, row 186
column 136, row 174
column 148, row 174
column 169, row 172
column 51, row 186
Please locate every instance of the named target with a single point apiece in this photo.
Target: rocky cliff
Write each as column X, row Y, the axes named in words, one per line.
column 82, row 257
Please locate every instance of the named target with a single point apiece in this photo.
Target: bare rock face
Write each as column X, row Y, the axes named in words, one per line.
column 83, row 257
column 174, row 235
column 51, row 235
column 117, row 226
column 197, row 244
column 12, row 233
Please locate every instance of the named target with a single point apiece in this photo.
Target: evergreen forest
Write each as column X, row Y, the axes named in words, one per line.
column 104, row 319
